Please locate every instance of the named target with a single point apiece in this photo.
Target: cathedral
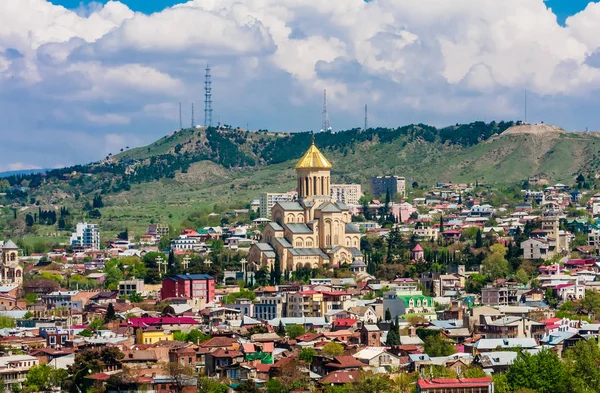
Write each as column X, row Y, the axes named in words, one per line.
column 312, row 231
column 11, row 272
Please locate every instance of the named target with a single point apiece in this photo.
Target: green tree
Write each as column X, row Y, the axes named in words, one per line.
column 478, row 239
column 275, row 386
column 276, row 272
column 209, row 385
column 388, row 315
column 248, row 386
column 495, row 265
column 110, row 313
column 195, row 336
column 373, row 383
column 294, row 331
column 582, row 361
column 31, row 298
column 135, row 297
column 307, row 354
column 435, row 346
column 332, row 349
column 542, row 372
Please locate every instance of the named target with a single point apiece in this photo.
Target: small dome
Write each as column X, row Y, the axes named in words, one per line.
column 418, row 248
column 358, row 263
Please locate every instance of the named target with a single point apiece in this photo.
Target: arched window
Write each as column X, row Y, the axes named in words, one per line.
column 12, row 257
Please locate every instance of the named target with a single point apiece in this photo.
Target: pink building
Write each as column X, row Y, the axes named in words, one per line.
column 402, row 211
column 194, row 286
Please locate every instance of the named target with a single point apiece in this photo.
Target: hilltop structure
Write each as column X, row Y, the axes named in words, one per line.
column 312, row 231
column 11, row 272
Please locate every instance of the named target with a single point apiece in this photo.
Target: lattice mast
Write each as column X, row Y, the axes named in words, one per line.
column 207, row 98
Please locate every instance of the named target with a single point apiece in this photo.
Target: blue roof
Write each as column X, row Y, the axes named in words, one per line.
column 194, row 276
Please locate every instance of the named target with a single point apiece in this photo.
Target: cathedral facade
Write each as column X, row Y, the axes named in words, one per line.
column 314, row 230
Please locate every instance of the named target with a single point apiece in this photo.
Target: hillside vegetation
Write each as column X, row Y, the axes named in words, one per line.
column 202, row 169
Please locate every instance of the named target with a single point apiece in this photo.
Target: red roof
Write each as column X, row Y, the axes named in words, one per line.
column 454, row 383
column 99, row 376
column 418, row 248
column 345, row 362
column 344, row 322
column 149, row 321
column 340, row 377
column 581, row 262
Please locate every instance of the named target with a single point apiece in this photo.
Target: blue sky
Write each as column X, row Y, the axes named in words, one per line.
column 76, row 86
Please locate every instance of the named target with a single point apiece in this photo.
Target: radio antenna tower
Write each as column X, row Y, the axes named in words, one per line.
column 326, row 125
column 193, row 121
column 207, row 98
column 366, row 118
column 180, row 120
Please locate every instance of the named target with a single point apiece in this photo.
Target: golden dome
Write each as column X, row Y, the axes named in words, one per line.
column 313, row 159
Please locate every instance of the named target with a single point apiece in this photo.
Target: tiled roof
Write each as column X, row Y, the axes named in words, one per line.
column 340, row 377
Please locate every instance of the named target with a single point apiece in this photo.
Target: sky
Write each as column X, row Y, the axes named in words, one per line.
column 81, row 79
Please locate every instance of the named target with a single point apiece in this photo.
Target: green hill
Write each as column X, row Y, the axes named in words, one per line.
column 193, row 170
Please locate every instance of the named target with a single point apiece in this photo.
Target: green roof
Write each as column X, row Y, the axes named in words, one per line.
column 406, row 299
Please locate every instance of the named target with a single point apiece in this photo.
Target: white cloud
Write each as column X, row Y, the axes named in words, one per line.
column 101, row 73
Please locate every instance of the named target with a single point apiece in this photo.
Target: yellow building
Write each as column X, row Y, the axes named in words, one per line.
column 312, row 231
column 152, row 335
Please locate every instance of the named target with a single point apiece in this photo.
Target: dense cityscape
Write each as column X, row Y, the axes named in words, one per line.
column 448, row 288
column 266, row 196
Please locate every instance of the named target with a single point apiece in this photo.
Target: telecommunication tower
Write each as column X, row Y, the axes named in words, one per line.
column 207, row 98
column 326, row 126
column 366, row 118
column 193, row 121
column 180, row 120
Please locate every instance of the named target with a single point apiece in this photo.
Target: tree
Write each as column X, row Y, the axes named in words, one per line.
column 248, row 386
column 307, row 354
column 281, row 329
column 332, row 349
column 195, row 336
column 180, row 375
column 542, row 372
column 275, row 386
column 522, row 276
column 110, row 313
column 135, row 297
column 442, row 223
column 551, row 298
column 31, row 298
column 295, row 331
column 582, row 362
column 435, row 346
column 209, row 385
column 393, row 336
column 388, row 315
column 92, row 360
column 43, row 377
column 276, row 272
column 478, row 239
column 373, row 383
column 495, row 265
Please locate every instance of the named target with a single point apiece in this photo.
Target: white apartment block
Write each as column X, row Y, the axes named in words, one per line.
column 14, row 369
column 269, row 199
column 594, row 238
column 86, row 236
column 346, row 193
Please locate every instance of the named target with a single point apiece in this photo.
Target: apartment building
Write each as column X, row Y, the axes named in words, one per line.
column 346, row 193
column 392, row 184
column 269, row 199
column 86, row 236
